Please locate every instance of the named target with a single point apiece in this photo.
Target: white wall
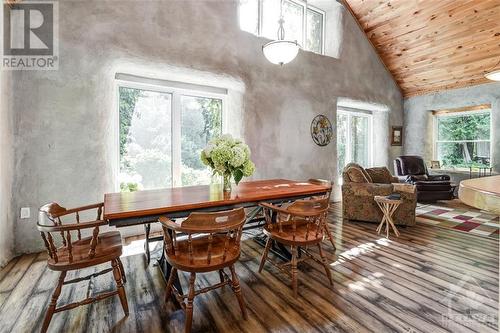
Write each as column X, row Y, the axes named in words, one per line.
column 65, row 120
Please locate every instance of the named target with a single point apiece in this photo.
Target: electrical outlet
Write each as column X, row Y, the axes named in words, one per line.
column 25, row 213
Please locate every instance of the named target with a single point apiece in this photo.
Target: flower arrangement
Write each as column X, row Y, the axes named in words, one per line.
column 227, row 157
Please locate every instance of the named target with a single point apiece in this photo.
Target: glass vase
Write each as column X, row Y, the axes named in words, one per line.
column 226, row 183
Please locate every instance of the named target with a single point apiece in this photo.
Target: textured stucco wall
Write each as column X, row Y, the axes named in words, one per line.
column 65, row 121
column 418, row 118
column 6, row 172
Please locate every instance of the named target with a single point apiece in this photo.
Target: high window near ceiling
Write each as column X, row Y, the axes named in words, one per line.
column 462, row 139
column 354, row 138
column 303, row 23
column 162, row 131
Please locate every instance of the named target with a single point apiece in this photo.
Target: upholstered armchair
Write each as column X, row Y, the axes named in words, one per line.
column 361, row 185
column 412, row 170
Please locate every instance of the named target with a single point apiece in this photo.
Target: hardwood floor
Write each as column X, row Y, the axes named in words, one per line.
column 427, row 280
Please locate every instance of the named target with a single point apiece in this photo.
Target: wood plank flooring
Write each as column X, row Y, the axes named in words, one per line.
column 427, row 280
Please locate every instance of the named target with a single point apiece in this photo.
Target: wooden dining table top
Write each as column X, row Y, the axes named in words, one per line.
column 161, row 201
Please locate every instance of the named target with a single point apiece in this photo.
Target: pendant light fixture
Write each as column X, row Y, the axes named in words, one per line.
column 494, row 74
column 281, row 51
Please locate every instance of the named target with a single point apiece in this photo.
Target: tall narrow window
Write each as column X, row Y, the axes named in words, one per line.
column 354, row 131
column 303, row 23
column 145, row 139
column 314, row 37
column 201, row 121
column 162, row 133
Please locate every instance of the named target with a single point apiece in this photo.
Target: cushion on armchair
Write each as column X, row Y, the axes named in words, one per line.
column 380, row 175
column 355, row 173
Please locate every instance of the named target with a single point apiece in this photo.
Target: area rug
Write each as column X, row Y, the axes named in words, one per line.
column 457, row 216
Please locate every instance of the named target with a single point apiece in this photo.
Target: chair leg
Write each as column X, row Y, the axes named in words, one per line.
column 237, row 292
column 170, row 283
column 325, row 264
column 122, row 270
column 330, row 236
column 189, row 305
column 294, row 271
column 265, row 253
column 119, row 286
column 221, row 276
column 53, row 302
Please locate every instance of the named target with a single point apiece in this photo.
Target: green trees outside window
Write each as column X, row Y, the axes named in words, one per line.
column 464, row 140
column 161, row 141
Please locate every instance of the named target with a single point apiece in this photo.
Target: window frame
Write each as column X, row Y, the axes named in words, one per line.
column 349, row 115
column 176, row 120
column 435, row 140
column 306, row 7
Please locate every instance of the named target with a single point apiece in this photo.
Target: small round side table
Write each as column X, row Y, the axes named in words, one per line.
column 388, row 207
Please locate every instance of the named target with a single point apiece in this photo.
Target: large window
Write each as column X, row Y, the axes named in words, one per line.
column 462, row 139
column 354, row 132
column 303, row 23
column 162, row 132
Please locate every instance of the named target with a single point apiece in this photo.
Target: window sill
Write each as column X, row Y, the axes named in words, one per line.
column 458, row 170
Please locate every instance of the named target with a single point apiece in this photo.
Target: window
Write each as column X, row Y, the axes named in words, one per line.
column 463, row 139
column 354, row 132
column 303, row 23
column 162, row 132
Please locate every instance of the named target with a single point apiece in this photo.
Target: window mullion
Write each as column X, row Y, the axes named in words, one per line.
column 349, row 139
column 176, row 139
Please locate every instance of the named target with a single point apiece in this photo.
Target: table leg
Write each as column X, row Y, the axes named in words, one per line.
column 147, row 229
column 166, row 270
column 381, row 225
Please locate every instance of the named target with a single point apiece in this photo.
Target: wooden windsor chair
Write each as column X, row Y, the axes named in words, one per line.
column 328, row 195
column 68, row 252
column 301, row 224
column 204, row 242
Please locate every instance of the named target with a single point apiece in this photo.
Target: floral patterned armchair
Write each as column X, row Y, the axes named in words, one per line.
column 361, row 185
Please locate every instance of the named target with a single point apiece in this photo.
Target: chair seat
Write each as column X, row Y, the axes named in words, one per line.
column 198, row 262
column 302, row 235
column 109, row 247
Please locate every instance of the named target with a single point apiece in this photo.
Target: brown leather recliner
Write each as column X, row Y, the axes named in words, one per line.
column 412, row 170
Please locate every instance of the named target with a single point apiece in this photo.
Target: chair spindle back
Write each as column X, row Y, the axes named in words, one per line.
column 310, row 214
column 208, row 228
column 50, row 224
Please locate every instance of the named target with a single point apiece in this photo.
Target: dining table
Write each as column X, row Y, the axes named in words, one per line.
column 124, row 209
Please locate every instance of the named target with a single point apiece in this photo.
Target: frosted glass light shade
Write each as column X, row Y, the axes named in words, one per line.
column 280, row 52
column 493, row 76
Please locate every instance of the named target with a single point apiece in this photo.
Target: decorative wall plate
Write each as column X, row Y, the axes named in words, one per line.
column 321, row 130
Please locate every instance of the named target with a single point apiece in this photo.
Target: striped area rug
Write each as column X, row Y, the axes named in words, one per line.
column 458, row 216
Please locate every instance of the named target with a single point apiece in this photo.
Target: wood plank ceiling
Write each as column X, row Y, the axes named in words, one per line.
column 432, row 45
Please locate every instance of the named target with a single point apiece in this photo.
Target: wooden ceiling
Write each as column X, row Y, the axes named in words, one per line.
column 431, row 45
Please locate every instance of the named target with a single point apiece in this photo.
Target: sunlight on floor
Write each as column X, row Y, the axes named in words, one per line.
column 360, row 249
column 136, row 247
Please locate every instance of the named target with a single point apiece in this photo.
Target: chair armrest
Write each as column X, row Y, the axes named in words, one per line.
column 83, row 208
column 70, row 227
column 405, row 188
column 168, row 223
column 273, row 207
column 439, row 177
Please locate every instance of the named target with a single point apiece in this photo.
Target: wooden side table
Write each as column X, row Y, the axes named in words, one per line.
column 388, row 207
